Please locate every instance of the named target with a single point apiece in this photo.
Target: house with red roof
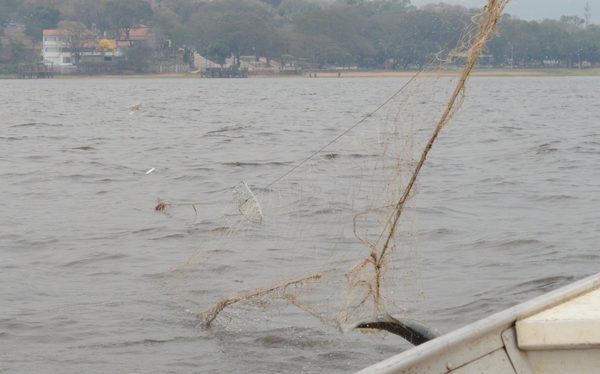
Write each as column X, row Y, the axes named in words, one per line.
column 63, row 49
column 56, row 47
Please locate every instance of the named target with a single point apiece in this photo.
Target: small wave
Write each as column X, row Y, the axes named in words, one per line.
column 83, row 148
column 220, row 251
column 222, row 269
column 339, row 355
column 73, row 177
column 146, row 342
column 226, row 129
column 142, row 231
column 542, row 284
column 510, row 128
column 93, row 259
column 105, row 273
column 14, row 324
column 442, row 231
column 545, row 148
column 245, row 163
column 35, row 124
column 12, row 138
column 169, row 236
column 508, row 244
column 28, row 124
column 201, row 168
column 284, row 337
column 585, row 150
column 358, row 155
column 559, row 197
column 221, row 229
column 490, row 140
column 483, row 306
column 521, row 242
column 328, row 211
column 36, row 157
column 189, row 177
column 34, row 244
column 585, row 257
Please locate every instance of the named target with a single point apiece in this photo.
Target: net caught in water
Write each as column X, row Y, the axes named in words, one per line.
column 335, row 227
column 247, row 203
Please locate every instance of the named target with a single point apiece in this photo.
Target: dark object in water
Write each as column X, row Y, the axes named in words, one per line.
column 411, row 330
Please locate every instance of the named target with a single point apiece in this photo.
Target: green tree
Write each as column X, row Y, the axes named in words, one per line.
column 8, row 10
column 218, row 52
column 39, row 18
column 292, row 9
column 79, row 34
column 246, row 27
column 123, row 15
column 139, row 57
column 92, row 13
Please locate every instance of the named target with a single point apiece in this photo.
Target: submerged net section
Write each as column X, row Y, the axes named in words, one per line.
column 247, row 203
column 333, row 236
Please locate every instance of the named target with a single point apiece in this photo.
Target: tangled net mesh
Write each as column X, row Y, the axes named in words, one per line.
column 334, row 227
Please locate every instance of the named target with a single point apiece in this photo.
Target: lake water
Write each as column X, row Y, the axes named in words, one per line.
column 93, row 280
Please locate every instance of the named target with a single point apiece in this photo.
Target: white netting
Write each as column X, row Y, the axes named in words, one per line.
column 246, row 203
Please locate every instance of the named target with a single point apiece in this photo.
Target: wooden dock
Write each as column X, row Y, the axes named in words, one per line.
column 225, row 73
column 35, row 71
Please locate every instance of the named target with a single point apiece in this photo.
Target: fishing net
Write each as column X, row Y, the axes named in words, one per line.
column 247, row 203
column 334, row 236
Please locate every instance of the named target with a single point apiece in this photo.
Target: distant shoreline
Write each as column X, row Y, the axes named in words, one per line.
column 455, row 72
column 352, row 74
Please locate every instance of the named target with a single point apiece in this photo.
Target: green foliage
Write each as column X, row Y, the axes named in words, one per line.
column 39, row 18
column 7, row 11
column 79, row 34
column 291, row 9
column 139, row 57
column 287, row 59
column 273, row 3
column 168, row 25
column 245, row 27
column 92, row 13
column 218, row 52
column 15, row 49
column 367, row 33
column 123, row 15
column 564, row 43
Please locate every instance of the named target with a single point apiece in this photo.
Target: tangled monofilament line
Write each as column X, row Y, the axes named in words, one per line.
column 485, row 23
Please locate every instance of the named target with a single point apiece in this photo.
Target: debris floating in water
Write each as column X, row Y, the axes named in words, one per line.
column 247, row 203
column 150, row 171
column 135, row 108
column 161, row 206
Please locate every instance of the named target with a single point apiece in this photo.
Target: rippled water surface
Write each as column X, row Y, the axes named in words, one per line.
column 91, row 278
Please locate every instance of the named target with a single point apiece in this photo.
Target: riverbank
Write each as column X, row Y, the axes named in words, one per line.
column 453, row 72
column 356, row 74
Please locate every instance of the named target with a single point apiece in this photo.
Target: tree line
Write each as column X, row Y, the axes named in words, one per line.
column 378, row 34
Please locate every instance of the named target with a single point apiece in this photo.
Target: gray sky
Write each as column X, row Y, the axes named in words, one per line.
column 533, row 9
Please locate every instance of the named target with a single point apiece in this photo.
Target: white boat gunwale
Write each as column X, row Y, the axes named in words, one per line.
column 474, row 341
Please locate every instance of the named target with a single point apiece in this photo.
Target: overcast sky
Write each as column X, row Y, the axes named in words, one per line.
column 533, row 9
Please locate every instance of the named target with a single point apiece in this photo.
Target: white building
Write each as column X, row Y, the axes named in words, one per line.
column 56, row 47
